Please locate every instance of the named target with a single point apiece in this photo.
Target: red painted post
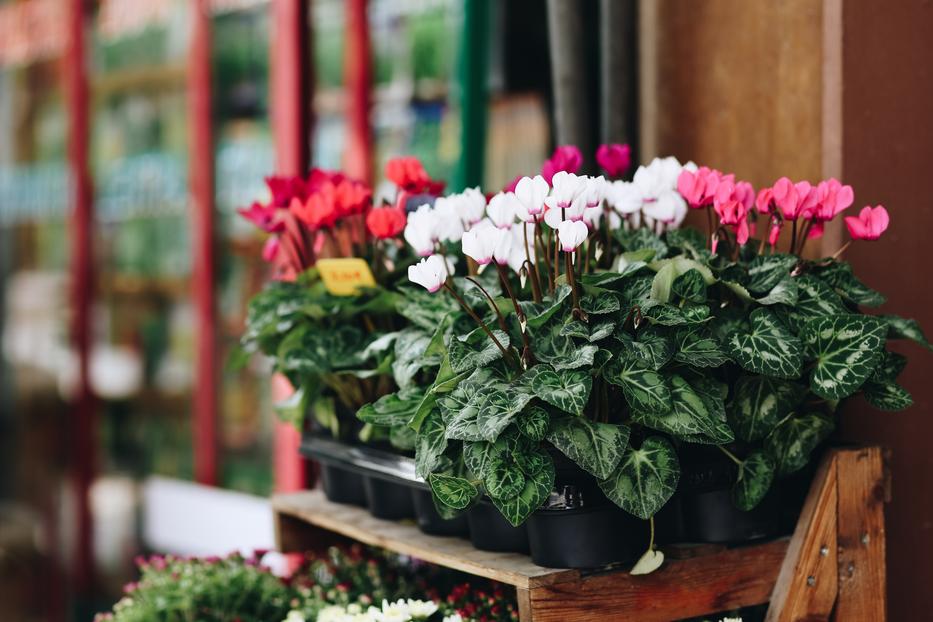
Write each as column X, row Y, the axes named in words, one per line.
column 291, row 126
column 84, row 421
column 201, row 171
column 358, row 157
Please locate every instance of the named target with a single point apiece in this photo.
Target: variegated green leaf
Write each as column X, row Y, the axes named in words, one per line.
column 476, row 350
column 815, row 299
column 759, row 403
column 890, row 367
column 645, row 390
column 887, row 396
column 601, row 303
column 499, row 406
column 847, row 348
column 646, row 479
column 688, row 419
column 755, row 476
column 533, row 422
column 595, row 447
column 785, row 293
column 791, row 443
column 430, row 444
column 695, row 346
column 839, row 276
column 393, row 409
column 537, row 488
column 650, row 347
column 690, row 286
column 454, row 492
column 503, row 480
column 766, row 271
column 567, row 390
column 769, row 348
column 903, row 328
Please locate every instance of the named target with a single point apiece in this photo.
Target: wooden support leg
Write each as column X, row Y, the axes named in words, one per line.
column 861, row 538
column 523, row 596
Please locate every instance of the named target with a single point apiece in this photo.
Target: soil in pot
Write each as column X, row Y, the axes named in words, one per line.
column 490, row 531
column 431, row 522
column 342, row 485
column 388, row 500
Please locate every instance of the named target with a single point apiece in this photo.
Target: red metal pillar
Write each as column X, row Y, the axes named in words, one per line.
column 84, row 421
column 201, row 167
column 291, row 126
column 358, row 157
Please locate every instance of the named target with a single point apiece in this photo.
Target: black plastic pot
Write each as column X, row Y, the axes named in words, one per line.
column 584, row 538
column 342, row 485
column 389, row 500
column 490, row 531
column 431, row 522
column 669, row 524
column 710, row 516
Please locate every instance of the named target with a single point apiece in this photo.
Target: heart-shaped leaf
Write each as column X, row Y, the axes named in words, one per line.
column 650, row 561
column 903, row 328
column 593, row 332
column 601, row 303
column 650, row 347
column 688, row 419
column 499, row 405
column 393, row 409
column 839, row 276
column 847, row 348
column 537, row 488
column 478, row 455
column 695, row 346
column 890, row 367
column 769, row 348
column 430, row 444
column 476, row 350
column 534, row 422
column 791, row 443
column 454, row 492
column 567, row 390
column 887, row 396
column 596, row 447
column 646, row 478
column 766, row 271
column 785, row 292
column 690, row 286
column 815, row 299
column 755, row 476
column 759, row 403
column 503, row 480
column 538, row 313
column 645, row 390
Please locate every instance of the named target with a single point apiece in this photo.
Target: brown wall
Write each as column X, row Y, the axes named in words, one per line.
column 887, row 156
column 807, row 89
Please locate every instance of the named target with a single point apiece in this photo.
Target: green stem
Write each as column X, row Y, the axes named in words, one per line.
column 730, row 454
column 505, row 353
column 492, row 302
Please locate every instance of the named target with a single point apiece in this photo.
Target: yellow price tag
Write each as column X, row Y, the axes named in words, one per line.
column 344, row 276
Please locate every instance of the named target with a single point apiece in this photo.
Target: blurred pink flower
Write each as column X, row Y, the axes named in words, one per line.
column 565, row 158
column 870, row 223
column 614, row 158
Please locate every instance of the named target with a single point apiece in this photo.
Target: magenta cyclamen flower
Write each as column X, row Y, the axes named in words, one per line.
column 565, row 158
column 614, row 158
column 870, row 223
column 699, row 187
column 263, row 216
column 731, row 203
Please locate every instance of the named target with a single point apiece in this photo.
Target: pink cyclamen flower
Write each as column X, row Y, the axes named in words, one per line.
column 870, row 223
column 614, row 158
column 731, row 203
column 263, row 216
column 565, row 158
column 775, row 232
column 832, row 198
column 764, row 200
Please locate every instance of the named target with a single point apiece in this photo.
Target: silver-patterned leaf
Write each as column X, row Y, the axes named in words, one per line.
column 533, row 422
column 695, row 346
column 430, row 444
column 567, row 390
column 688, row 419
column 903, row 328
column 768, row 348
column 596, row 447
column 785, row 293
column 887, row 396
column 791, row 443
column 846, row 349
column 503, row 479
column 646, row 479
column 454, row 492
column 759, row 403
column 645, row 390
column 755, row 476
column 537, row 488
column 476, row 350
column 650, row 347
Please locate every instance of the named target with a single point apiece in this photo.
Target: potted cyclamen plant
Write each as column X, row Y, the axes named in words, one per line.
column 336, row 348
column 581, row 346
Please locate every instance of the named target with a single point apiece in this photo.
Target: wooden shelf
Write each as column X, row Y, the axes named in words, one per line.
column 841, row 522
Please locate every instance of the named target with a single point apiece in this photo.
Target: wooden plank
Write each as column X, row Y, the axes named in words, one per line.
column 807, row 584
column 861, row 536
column 733, row 578
column 313, row 508
column 523, row 598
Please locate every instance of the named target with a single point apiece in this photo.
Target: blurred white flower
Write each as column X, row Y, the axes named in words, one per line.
column 447, row 223
column 572, row 234
column 659, row 176
column 501, row 209
column 471, row 205
column 593, row 216
column 454, row 617
column 480, row 242
column 594, row 191
column 556, row 214
column 420, row 230
column 669, row 208
column 566, row 188
column 421, row 608
column 519, row 252
column 624, row 197
column 430, row 273
column 530, row 192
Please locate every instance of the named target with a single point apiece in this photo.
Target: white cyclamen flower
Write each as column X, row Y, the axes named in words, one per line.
column 593, row 217
column 624, row 197
column 294, row 616
column 594, row 191
column 659, row 176
column 566, row 188
column 419, row 609
column 420, row 230
column 430, row 273
column 480, row 242
column 530, row 192
column 519, row 252
column 669, row 208
column 571, row 234
column 471, row 204
column 501, row 209
column 556, row 214
column 447, row 223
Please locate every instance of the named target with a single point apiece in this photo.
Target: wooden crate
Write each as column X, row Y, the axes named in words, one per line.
column 832, row 566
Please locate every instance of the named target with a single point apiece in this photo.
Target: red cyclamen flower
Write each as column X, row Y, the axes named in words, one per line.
column 614, row 158
column 263, row 216
column 408, row 174
column 870, row 223
column 286, row 188
column 319, row 211
column 565, row 158
column 385, row 222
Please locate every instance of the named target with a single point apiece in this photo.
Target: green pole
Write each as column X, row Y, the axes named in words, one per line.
column 474, row 66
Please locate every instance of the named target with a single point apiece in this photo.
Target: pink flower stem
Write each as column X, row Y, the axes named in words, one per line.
column 709, row 223
column 803, row 237
column 526, row 349
column 839, row 253
column 793, row 236
column 532, row 270
column 572, row 279
column 492, row 303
